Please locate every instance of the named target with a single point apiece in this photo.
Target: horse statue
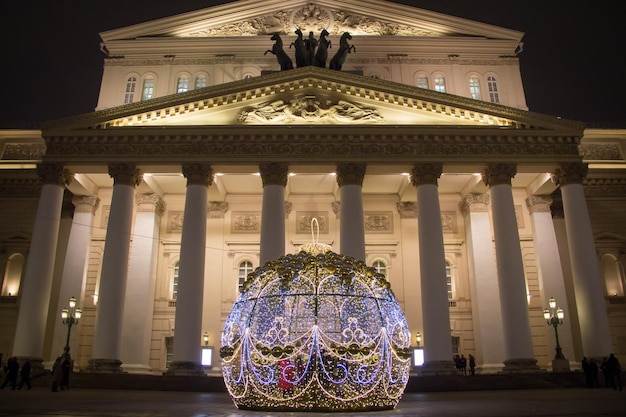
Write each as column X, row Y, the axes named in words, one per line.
column 282, row 57
column 302, row 56
column 322, row 50
column 344, row 50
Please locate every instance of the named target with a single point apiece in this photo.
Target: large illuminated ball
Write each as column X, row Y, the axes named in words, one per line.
column 316, row 331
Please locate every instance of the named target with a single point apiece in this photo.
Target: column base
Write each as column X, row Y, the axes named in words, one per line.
column 136, row 368
column 438, row 368
column 104, row 366
column 489, row 368
column 560, row 365
column 184, row 368
column 521, row 365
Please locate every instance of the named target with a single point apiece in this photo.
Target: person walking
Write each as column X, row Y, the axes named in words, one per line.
column 472, row 364
column 56, row 374
column 11, row 372
column 66, row 368
column 25, row 374
column 613, row 371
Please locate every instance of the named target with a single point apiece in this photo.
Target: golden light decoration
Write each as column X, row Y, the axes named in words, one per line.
column 316, row 331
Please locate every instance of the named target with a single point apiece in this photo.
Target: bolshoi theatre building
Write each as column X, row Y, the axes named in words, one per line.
column 223, row 140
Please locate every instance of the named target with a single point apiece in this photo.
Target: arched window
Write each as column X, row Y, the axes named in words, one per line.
column 174, row 286
column 148, row 89
column 380, row 267
column 492, row 86
column 247, row 76
column 474, row 86
column 612, row 272
column 131, row 85
column 200, row 82
column 13, row 275
column 422, row 81
column 440, row 83
column 449, row 283
column 245, row 268
column 182, row 85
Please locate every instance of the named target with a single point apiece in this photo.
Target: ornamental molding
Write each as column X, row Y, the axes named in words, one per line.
column 601, row 151
column 14, row 187
column 304, row 219
column 605, row 187
column 245, row 222
column 22, row 151
column 378, row 221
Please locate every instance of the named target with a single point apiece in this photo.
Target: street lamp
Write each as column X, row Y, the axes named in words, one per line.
column 554, row 317
column 70, row 317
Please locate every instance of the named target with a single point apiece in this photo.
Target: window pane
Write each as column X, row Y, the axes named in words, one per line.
column 493, row 89
column 440, row 84
column 474, row 85
column 422, row 82
column 245, row 268
column 131, row 84
column 148, row 89
column 380, row 267
column 200, row 82
column 175, row 281
column 449, row 281
column 183, row 85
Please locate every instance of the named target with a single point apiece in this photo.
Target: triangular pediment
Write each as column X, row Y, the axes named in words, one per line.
column 262, row 17
column 313, row 96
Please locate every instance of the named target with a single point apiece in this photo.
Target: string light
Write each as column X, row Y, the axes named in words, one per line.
column 316, row 331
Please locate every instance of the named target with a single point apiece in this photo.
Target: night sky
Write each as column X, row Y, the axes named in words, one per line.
column 573, row 64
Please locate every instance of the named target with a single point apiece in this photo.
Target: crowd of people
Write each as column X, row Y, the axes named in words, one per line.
column 461, row 363
column 611, row 369
column 12, row 370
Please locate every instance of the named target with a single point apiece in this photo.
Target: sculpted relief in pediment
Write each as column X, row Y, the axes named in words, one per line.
column 311, row 17
column 309, row 109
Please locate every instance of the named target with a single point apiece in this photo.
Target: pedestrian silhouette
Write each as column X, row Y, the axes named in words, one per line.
column 25, row 374
column 11, row 372
column 613, row 371
column 472, row 364
column 56, row 374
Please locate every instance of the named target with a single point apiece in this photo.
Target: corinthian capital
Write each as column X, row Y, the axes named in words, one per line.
column 350, row 174
column 570, row 173
column 54, row 174
column 198, row 174
column 426, row 174
column 498, row 174
column 125, row 174
column 274, row 174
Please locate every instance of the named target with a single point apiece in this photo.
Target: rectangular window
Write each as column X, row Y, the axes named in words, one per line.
column 474, row 85
column 494, row 97
column 148, row 89
column 200, row 82
column 169, row 350
column 175, row 282
column 422, row 82
column 440, row 84
column 130, row 90
column 183, row 85
column 449, row 281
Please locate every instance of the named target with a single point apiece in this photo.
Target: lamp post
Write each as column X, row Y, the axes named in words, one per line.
column 70, row 317
column 554, row 317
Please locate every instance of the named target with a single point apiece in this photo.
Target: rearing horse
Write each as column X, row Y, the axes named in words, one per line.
column 282, row 57
column 322, row 50
column 302, row 59
column 344, row 50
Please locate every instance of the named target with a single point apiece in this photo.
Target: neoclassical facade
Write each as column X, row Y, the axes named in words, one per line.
column 204, row 160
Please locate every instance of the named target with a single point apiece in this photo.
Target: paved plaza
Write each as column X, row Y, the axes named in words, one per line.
column 78, row 402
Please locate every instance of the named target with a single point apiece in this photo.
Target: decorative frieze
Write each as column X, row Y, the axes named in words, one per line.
column 12, row 187
column 304, row 218
column 245, row 222
column 22, row 151
column 378, row 221
column 601, row 151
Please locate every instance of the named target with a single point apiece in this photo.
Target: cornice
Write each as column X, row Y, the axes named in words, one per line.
column 310, row 144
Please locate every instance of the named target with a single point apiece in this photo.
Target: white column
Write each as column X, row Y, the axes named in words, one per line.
column 188, row 321
column 274, row 176
column 513, row 298
column 139, row 307
column 351, row 223
column 105, row 357
column 588, row 283
column 37, row 283
column 435, row 308
column 483, row 274
column 74, row 267
column 551, row 275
